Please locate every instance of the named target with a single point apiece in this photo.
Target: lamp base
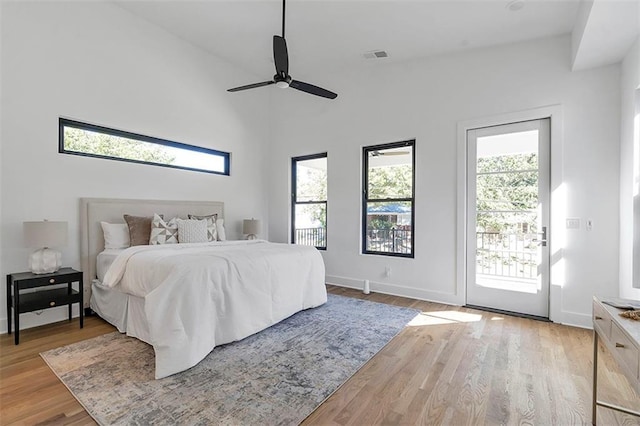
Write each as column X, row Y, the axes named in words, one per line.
column 252, row 237
column 45, row 261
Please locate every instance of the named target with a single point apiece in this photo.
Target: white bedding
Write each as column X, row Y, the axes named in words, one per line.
column 198, row 296
column 104, row 260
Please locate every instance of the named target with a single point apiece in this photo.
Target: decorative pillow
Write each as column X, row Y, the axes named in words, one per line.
column 192, row 231
column 222, row 236
column 212, row 234
column 139, row 229
column 116, row 235
column 163, row 232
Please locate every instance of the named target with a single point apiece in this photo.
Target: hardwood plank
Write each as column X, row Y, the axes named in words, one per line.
column 453, row 366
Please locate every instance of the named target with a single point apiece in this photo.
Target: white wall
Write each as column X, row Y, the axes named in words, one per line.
column 2, row 325
column 97, row 63
column 425, row 100
column 630, row 80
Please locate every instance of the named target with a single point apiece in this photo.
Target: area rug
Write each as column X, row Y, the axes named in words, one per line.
column 278, row 376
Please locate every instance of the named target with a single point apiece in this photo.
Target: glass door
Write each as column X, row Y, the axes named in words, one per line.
column 508, row 217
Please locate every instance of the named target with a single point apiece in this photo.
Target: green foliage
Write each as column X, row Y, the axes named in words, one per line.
column 311, row 184
column 85, row 141
column 390, row 181
column 379, row 223
column 316, row 212
column 514, row 189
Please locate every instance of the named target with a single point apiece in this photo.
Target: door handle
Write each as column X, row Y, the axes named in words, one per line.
column 543, row 240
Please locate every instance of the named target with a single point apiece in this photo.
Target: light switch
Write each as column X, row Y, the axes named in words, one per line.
column 573, row 223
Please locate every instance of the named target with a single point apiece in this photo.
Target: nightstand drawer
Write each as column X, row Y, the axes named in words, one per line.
column 625, row 350
column 47, row 299
column 49, row 280
column 602, row 320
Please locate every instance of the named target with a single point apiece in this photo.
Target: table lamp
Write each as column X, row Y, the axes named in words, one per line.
column 43, row 235
column 251, row 227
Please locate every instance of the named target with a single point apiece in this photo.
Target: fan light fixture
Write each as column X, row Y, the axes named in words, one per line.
column 282, row 84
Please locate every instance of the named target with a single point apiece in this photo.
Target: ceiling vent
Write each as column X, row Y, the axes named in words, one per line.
column 376, row 54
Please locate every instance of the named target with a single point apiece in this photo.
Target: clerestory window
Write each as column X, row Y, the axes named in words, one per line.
column 90, row 140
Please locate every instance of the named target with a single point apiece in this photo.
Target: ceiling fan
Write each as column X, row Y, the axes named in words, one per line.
column 382, row 153
column 282, row 78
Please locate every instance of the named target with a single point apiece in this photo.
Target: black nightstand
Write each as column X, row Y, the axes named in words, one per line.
column 35, row 301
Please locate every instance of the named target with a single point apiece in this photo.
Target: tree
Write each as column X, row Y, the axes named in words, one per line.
column 312, row 186
column 88, row 142
column 508, row 194
column 390, row 181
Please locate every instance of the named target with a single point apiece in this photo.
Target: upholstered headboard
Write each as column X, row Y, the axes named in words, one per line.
column 96, row 210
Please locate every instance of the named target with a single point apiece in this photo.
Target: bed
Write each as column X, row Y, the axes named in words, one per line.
column 185, row 299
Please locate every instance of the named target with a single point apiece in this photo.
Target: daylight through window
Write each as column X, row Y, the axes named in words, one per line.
column 388, row 199
column 96, row 141
column 309, row 200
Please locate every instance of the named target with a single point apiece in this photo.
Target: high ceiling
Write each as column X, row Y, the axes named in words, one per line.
column 329, row 36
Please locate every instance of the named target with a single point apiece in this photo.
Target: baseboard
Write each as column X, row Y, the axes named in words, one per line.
column 396, row 290
column 47, row 316
column 567, row 318
column 577, row 320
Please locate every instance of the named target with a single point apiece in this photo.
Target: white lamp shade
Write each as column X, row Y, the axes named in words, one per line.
column 45, row 234
column 251, row 226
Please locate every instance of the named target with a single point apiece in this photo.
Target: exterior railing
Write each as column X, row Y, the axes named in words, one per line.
column 389, row 240
column 316, row 237
column 512, row 255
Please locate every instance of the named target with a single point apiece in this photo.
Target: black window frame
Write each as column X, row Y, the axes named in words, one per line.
column 366, row 200
column 64, row 122
column 294, row 192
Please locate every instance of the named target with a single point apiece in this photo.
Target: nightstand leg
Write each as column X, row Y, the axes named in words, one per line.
column 81, row 304
column 9, row 304
column 16, row 313
column 70, row 304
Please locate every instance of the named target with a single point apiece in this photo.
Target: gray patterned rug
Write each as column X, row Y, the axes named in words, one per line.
column 277, row 376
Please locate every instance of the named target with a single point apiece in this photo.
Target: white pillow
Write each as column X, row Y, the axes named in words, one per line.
column 192, row 231
column 116, row 235
column 222, row 236
column 163, row 232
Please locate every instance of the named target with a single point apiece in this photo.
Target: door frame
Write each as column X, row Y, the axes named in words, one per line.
column 557, row 209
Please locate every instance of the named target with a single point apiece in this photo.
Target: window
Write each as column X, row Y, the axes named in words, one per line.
column 309, row 200
column 388, row 199
column 78, row 138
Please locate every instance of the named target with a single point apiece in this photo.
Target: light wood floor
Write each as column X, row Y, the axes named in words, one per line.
column 455, row 366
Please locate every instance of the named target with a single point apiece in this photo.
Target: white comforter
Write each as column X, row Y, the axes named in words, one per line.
column 198, row 296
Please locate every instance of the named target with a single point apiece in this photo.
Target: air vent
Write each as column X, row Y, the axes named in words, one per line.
column 376, row 54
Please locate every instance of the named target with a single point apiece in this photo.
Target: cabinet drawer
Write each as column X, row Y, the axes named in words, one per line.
column 602, row 320
column 625, row 350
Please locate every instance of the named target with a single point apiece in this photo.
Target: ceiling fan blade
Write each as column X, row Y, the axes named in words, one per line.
column 395, row 153
column 280, row 56
column 251, row 86
column 314, row 90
